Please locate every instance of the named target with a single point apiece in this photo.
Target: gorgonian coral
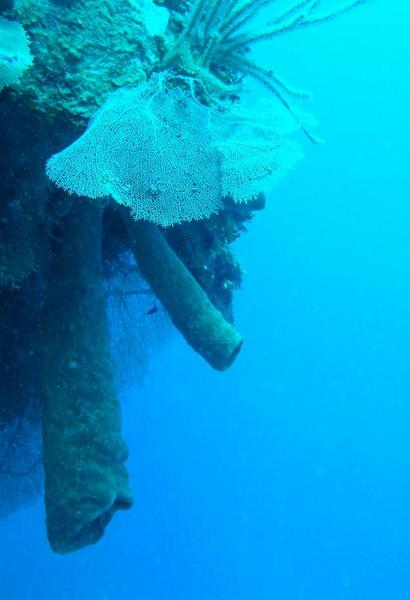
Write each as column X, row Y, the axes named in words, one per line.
column 170, row 159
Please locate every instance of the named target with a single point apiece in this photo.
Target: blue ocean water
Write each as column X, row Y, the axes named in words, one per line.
column 288, row 476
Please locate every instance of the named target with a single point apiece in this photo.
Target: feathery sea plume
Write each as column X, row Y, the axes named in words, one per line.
column 216, row 39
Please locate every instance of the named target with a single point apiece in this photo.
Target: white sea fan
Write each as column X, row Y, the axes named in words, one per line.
column 15, row 54
column 146, row 148
column 251, row 165
column 255, row 150
column 168, row 157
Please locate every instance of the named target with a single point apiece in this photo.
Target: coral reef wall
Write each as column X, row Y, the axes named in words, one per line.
column 82, row 51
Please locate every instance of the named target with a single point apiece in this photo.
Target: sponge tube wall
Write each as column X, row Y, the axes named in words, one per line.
column 85, row 478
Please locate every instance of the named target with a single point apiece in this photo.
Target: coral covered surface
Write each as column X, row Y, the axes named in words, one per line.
column 134, row 105
column 82, row 51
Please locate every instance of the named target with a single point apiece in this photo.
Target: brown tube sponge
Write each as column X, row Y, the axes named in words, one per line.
column 84, row 454
column 190, row 309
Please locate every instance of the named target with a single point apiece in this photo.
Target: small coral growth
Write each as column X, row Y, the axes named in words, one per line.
column 15, row 54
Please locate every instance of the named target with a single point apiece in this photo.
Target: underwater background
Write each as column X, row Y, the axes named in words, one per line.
column 288, row 476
